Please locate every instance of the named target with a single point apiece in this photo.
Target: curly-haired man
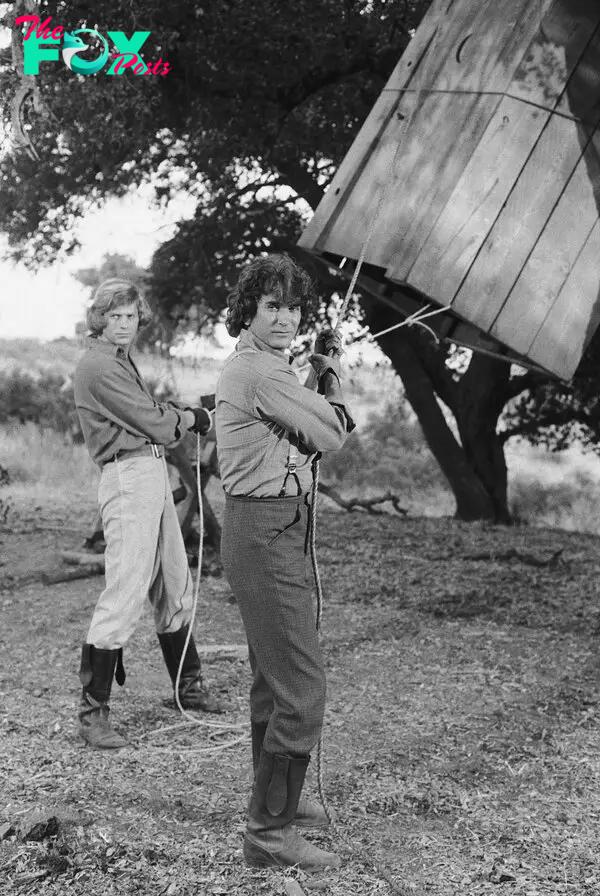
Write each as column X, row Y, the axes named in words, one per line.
column 125, row 431
column 269, row 430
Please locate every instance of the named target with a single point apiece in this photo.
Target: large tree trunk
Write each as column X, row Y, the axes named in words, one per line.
column 472, row 500
column 482, row 396
column 475, row 469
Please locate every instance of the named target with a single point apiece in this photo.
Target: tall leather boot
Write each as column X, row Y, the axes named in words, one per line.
column 192, row 693
column 96, row 674
column 310, row 814
column 271, row 839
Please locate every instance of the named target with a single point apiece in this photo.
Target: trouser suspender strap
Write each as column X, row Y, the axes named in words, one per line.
column 291, row 466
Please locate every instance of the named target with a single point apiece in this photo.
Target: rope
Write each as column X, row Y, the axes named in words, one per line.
column 500, row 94
column 194, row 720
column 415, row 319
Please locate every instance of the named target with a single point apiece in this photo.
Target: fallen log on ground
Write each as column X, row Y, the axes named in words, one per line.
column 521, row 556
column 82, row 558
column 82, row 564
column 53, row 577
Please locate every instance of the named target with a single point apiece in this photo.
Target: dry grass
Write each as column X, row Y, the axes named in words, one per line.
column 461, row 743
column 41, row 463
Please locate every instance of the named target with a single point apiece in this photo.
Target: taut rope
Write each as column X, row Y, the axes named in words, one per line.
column 415, row 319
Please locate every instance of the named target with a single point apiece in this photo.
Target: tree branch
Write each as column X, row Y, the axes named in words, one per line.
column 380, row 64
column 255, row 187
column 299, row 179
column 518, row 384
column 540, row 422
column 363, row 503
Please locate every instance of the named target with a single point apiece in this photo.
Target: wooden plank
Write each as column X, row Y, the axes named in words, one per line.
column 435, row 146
column 486, row 182
column 516, row 230
column 581, row 97
column 406, row 178
column 411, row 72
column 555, row 52
column 316, row 233
column 574, row 316
column 527, row 17
column 446, row 222
column 478, row 48
column 428, row 173
column 477, row 200
column 558, row 248
column 445, row 24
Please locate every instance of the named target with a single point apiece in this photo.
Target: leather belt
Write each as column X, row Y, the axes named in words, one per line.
column 150, row 450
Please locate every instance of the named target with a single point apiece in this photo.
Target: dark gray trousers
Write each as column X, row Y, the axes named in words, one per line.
column 264, row 549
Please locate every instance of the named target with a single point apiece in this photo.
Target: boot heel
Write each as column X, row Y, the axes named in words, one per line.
column 257, row 857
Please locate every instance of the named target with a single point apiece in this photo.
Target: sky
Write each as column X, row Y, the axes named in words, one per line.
column 47, row 304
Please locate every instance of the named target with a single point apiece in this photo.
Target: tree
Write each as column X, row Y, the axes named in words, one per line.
column 259, row 106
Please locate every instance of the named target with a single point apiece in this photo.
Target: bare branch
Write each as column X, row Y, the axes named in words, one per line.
column 367, row 504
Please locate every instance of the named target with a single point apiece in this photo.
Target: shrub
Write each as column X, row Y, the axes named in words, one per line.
column 571, row 503
column 390, row 453
column 48, row 400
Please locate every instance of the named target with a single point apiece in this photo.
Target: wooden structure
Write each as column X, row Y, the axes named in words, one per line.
column 485, row 145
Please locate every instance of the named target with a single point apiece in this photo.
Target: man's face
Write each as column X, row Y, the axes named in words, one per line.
column 275, row 322
column 121, row 325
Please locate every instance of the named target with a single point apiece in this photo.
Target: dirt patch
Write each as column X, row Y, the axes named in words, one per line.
column 461, row 743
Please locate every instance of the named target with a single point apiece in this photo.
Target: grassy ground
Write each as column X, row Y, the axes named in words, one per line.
column 462, row 733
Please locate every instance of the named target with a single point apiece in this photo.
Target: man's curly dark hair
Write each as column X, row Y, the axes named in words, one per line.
column 277, row 275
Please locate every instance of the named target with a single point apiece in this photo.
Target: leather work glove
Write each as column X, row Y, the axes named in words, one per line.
column 202, row 421
column 208, row 402
column 323, row 363
column 327, row 354
column 328, row 342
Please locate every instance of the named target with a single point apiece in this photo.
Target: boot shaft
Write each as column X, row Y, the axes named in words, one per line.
column 278, row 784
column 172, row 645
column 271, row 839
column 97, row 670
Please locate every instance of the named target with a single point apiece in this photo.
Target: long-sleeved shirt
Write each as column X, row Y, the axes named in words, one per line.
column 115, row 408
column 260, row 403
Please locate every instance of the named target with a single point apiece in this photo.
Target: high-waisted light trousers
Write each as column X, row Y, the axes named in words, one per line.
column 145, row 554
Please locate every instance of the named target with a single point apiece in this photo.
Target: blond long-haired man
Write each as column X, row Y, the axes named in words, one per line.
column 126, row 431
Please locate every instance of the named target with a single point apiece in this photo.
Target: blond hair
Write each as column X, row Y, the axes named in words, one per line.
column 114, row 293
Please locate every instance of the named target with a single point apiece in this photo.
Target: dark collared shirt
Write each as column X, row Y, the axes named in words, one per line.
column 115, row 408
column 259, row 403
